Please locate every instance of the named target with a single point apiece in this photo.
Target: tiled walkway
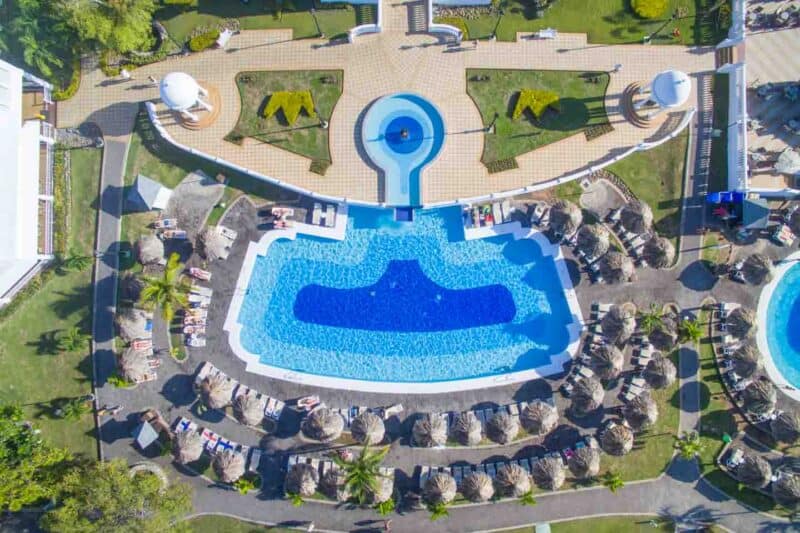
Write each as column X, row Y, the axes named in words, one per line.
column 383, row 63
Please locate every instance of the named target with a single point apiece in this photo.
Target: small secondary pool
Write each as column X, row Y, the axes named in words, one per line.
column 402, row 133
column 779, row 325
column 404, row 303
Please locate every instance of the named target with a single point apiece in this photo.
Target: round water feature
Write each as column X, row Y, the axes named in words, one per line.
column 402, row 133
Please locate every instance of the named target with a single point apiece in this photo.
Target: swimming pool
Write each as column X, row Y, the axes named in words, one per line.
column 778, row 334
column 404, row 306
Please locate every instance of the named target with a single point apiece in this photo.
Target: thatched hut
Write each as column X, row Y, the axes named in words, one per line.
column 637, row 217
column 786, row 427
column 593, row 240
column 467, row 429
column 641, row 412
column 758, row 269
column 660, row 372
column 539, row 418
column 228, row 465
column 333, row 485
column 323, row 425
column 587, row 395
column 548, row 473
column 502, row 428
column 513, row 480
column 133, row 365
column 664, row 336
column 754, row 471
column 584, row 463
column 250, row 409
column 759, row 397
column 565, row 217
column 659, row 252
column 429, row 431
column 746, row 360
column 619, row 323
column 477, row 487
column 617, row 440
column 786, row 490
column 150, row 250
column 212, row 244
column 616, row 267
column 302, row 479
column 368, row 428
column 188, row 447
column 742, row 322
column 216, row 391
column 606, row 361
column 384, row 489
column 439, row 489
column 134, row 323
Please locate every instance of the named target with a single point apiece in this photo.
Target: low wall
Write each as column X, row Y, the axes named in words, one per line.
column 365, row 29
column 445, row 29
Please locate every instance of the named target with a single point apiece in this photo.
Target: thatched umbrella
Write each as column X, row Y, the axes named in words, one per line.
column 565, row 217
column 502, row 427
column 216, row 391
column 150, row 249
column 637, row 217
column 333, row 485
column 323, row 425
column 188, row 447
column 746, row 360
column 660, row 372
column 467, row 429
column 742, row 322
column 584, row 463
column 786, row 427
column 229, row 465
column 641, row 412
column 440, row 488
column 513, row 480
column 607, row 361
column 429, row 432
column 250, row 409
column 616, row 267
column 754, row 471
column 548, row 473
column 587, row 395
column 593, row 240
column 384, row 489
column 302, row 479
column 212, row 244
column 665, row 335
column 130, row 287
column 132, row 323
column 786, row 490
column 619, row 323
column 617, row 440
column 759, row 397
column 133, row 365
column 477, row 487
column 758, row 269
column 368, row 428
column 659, row 252
column 539, row 418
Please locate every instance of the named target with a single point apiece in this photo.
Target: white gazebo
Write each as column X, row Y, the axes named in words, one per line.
column 669, row 89
column 181, row 93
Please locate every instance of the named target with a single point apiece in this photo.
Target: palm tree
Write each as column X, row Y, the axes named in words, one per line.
column 73, row 262
column 75, row 408
column 361, row 475
column 73, row 340
column 651, row 319
column 689, row 445
column 38, row 56
column 613, row 481
column 167, row 292
column 438, row 510
column 689, row 330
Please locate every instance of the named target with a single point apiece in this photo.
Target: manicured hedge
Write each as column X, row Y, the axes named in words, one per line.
column 291, row 103
column 205, row 40
column 319, row 166
column 649, row 9
column 74, row 83
column 501, row 164
column 537, row 101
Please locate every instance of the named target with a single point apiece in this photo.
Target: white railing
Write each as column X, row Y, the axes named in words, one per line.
column 47, row 132
column 48, row 171
column 446, row 29
column 364, row 29
column 43, row 84
column 737, row 126
column 738, row 25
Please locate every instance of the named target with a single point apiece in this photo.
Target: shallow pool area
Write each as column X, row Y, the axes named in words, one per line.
column 412, row 306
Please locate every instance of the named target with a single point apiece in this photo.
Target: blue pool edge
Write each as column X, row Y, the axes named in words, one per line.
column 338, row 232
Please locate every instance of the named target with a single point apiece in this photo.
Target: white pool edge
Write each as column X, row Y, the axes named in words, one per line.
column 761, row 333
column 254, row 365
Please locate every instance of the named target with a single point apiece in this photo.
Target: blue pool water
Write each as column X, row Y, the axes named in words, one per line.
column 783, row 329
column 402, row 133
column 404, row 302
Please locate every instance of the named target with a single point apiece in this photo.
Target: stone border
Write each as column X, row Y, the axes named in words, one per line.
column 761, row 335
column 253, row 363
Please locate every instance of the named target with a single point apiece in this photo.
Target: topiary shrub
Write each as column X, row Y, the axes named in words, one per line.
column 74, row 83
column 291, row 103
column 493, row 167
column 537, row 101
column 319, row 166
column 198, row 43
column 649, row 9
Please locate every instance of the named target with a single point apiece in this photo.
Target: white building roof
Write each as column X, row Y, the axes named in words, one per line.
column 671, row 88
column 737, row 126
column 19, row 182
column 179, row 91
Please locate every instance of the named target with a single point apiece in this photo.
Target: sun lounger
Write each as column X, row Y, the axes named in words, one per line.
column 293, row 459
column 204, row 370
column 524, row 463
column 481, row 468
column 150, row 376
column 507, row 210
column 330, row 215
column 227, row 233
column 213, row 440
column 277, row 410
column 142, row 344
column 481, row 416
column 392, row 410
column 497, row 214
column 195, row 342
column 316, row 214
column 166, row 223
column 513, row 409
column 199, row 273
column 424, row 472
column 177, row 234
column 585, row 371
column 488, row 414
column 202, row 291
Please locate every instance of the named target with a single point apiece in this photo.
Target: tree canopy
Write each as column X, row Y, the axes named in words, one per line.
column 119, row 25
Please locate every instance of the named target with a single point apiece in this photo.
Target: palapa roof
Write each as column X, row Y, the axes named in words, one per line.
column 133, row 365
column 150, row 249
column 477, row 487
column 742, row 322
column 754, row 471
column 786, row 427
column 429, row 431
column 786, row 490
column 587, row 395
column 188, row 447
column 539, row 418
column 250, row 409
column 502, row 427
column 659, row 252
column 660, row 372
column 513, row 480
column 641, row 412
column 302, row 479
column 134, row 323
column 384, row 489
column 212, row 244
column 665, row 335
column 440, row 488
column 758, row 269
column 216, row 391
column 323, row 424
column 617, row 440
column 616, row 267
column 746, row 360
column 467, row 429
column 333, row 485
column 368, row 428
column 565, row 217
column 607, row 361
column 593, row 239
column 619, row 323
column 584, row 463
column 548, row 473
column 637, row 217
column 759, row 397
column 228, row 465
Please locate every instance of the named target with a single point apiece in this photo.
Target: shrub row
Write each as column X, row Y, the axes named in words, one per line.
column 74, row 83
column 649, row 9
column 319, row 166
column 501, row 165
column 456, row 22
column 60, row 206
column 178, row 2
column 593, row 132
column 205, row 40
column 538, row 101
column 291, row 103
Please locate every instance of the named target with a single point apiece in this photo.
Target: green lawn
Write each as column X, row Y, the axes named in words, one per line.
column 601, row 524
column 604, row 21
column 581, row 106
column 305, row 136
column 32, row 371
column 224, row 524
column 259, row 15
column 718, row 168
column 656, row 177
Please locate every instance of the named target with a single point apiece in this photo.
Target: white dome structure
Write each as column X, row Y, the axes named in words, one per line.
column 180, row 92
column 669, row 89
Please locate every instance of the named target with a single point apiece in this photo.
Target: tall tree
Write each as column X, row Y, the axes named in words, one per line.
column 689, row 330
column 361, row 473
column 105, row 497
column 651, row 319
column 120, row 25
column 167, row 292
column 38, row 35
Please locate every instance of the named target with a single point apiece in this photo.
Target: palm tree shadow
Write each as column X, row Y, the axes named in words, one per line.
column 72, row 301
column 47, row 343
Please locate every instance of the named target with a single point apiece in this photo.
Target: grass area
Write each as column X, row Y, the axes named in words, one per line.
column 260, row 15
column 581, row 106
column 305, row 136
column 718, row 167
column 33, row 372
column 218, row 524
column 148, row 154
column 607, row 21
column 610, row 524
column 656, row 177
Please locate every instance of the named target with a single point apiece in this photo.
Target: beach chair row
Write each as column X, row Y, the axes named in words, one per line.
column 273, row 406
column 214, row 443
column 326, row 217
column 323, row 466
column 485, row 415
column 633, row 242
